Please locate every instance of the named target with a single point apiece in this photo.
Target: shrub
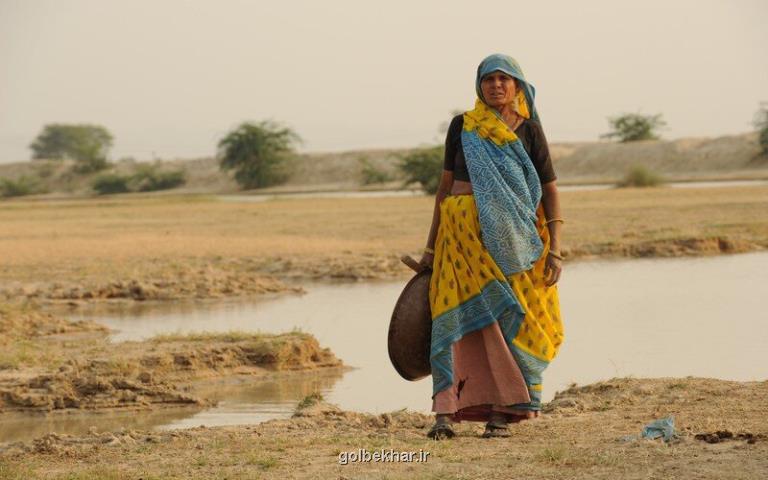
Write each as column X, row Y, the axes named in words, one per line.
column 148, row 178
column 86, row 144
column 310, row 400
column 761, row 124
column 111, row 183
column 631, row 127
column 24, row 185
column 371, row 174
column 641, row 176
column 257, row 152
column 45, row 169
column 424, row 166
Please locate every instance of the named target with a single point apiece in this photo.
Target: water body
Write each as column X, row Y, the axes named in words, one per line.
column 417, row 193
column 643, row 317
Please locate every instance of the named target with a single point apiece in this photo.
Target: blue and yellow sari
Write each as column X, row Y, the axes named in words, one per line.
column 491, row 248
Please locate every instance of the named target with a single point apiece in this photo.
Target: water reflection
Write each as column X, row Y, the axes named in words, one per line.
column 239, row 400
column 21, row 427
column 243, row 401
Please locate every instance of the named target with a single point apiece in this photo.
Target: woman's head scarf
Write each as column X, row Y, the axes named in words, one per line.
column 525, row 91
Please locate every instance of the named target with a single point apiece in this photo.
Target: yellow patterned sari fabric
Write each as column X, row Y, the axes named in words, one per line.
column 468, row 291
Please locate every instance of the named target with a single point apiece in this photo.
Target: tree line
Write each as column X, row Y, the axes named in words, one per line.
column 256, row 154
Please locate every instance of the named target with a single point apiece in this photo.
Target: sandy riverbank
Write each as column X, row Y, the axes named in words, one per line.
column 48, row 364
column 166, row 248
column 582, row 435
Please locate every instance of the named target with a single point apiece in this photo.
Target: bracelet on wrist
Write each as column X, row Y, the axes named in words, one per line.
column 555, row 220
column 429, row 250
column 556, row 255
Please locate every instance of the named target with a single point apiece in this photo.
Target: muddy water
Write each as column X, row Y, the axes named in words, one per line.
column 645, row 318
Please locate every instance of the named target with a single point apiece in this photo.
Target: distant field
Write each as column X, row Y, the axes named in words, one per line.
column 727, row 157
column 177, row 246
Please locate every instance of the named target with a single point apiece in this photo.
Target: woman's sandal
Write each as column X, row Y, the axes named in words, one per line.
column 496, row 430
column 441, row 430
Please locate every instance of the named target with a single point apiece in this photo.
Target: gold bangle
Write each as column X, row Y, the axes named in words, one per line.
column 555, row 220
column 556, row 255
column 429, row 250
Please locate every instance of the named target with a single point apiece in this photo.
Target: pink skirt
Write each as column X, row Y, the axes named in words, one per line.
column 486, row 379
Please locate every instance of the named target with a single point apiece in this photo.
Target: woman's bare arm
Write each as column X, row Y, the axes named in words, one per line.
column 551, row 201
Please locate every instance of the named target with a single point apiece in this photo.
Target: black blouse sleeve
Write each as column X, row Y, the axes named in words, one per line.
column 540, row 154
column 452, row 142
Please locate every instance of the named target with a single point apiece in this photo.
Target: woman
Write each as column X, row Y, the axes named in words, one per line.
column 494, row 249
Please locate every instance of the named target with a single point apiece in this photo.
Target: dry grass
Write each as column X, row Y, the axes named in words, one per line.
column 82, row 239
column 563, row 444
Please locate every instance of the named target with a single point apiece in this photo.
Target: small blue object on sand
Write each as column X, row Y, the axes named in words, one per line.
column 664, row 428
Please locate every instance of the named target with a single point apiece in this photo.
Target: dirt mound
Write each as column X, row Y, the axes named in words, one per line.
column 630, row 393
column 70, row 446
column 200, row 284
column 325, row 415
column 46, row 363
column 70, row 389
column 676, row 247
column 196, row 353
column 146, row 374
column 25, row 321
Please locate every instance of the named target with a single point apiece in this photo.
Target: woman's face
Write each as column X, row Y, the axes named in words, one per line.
column 498, row 89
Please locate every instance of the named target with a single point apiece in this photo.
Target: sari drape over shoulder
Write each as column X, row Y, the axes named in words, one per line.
column 487, row 292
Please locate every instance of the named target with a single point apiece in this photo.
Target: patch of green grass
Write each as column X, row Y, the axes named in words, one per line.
column 25, row 185
column 556, row 454
column 641, row 176
column 312, row 399
column 371, row 174
column 608, row 458
column 229, row 337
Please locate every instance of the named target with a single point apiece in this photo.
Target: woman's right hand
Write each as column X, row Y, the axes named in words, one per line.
column 426, row 260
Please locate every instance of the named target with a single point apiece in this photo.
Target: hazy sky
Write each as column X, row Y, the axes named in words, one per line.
column 168, row 78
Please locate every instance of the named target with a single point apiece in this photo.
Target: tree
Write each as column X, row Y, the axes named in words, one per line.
column 631, row 127
column 424, row 166
column 761, row 124
column 87, row 145
column 257, row 152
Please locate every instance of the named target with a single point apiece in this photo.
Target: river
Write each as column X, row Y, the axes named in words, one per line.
column 642, row 317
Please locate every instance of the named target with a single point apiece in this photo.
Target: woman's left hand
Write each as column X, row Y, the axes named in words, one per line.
column 552, row 270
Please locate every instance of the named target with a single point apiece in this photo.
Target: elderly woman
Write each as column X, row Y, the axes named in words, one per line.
column 494, row 250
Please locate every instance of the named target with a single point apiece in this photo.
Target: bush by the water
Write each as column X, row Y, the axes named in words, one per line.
column 24, row 185
column 149, row 178
column 631, row 127
column 424, row 166
column 110, row 183
column 371, row 174
column 641, row 176
column 146, row 178
column 257, row 153
column 761, row 123
column 86, row 144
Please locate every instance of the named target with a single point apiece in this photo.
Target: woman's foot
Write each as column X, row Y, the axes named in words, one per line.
column 496, row 427
column 442, row 428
